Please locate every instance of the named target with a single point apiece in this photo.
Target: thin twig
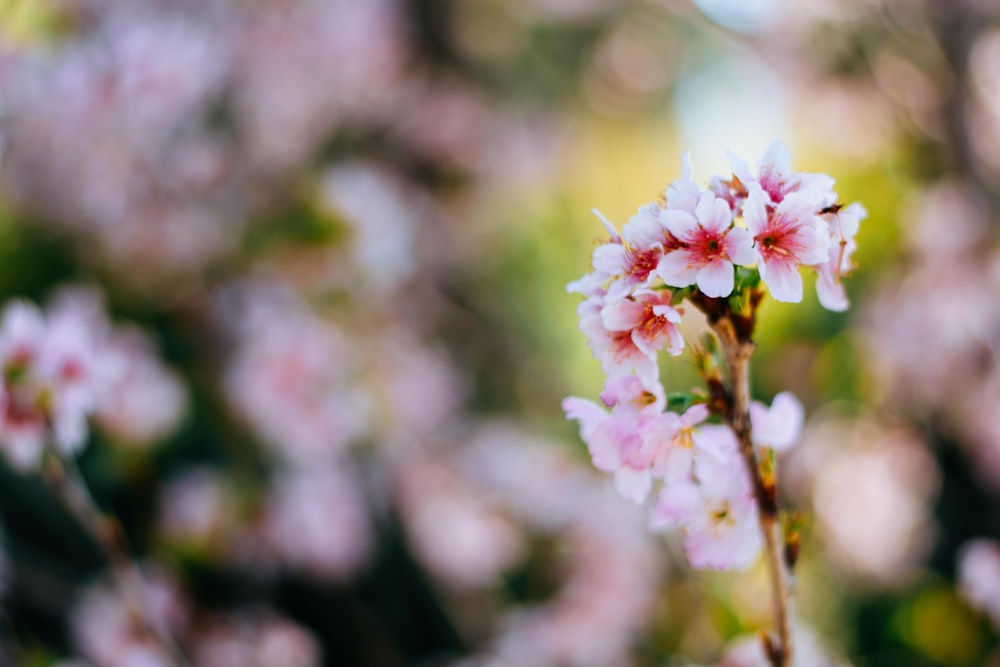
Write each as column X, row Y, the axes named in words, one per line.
column 63, row 477
column 738, row 352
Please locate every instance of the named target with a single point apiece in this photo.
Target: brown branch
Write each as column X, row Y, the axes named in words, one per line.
column 738, row 349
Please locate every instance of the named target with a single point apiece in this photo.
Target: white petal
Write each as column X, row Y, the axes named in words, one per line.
column 832, row 294
column 739, row 247
column 680, row 223
column 607, row 225
column 783, row 281
column 633, row 484
column 609, row 259
column 643, row 230
column 676, row 270
column 716, row 279
column 713, row 213
column 621, row 315
column 755, row 211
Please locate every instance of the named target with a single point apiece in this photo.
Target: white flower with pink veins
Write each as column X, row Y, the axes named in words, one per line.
column 709, row 247
column 777, row 179
column 630, row 330
column 785, row 237
column 634, row 255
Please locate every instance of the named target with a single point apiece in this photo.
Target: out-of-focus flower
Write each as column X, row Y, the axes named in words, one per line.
column 257, row 638
column 148, row 400
column 106, row 630
column 979, row 576
column 193, row 507
column 316, row 521
column 872, row 485
column 290, row 378
column 453, row 528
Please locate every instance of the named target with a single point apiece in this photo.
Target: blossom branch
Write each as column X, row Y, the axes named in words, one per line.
column 738, row 350
column 63, row 478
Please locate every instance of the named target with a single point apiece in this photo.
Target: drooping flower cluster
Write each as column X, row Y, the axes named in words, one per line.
column 757, row 226
column 65, row 366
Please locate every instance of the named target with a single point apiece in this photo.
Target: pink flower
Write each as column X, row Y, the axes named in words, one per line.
column 635, row 254
column 317, row 522
column 843, row 227
column 715, row 508
column 632, row 330
column 779, row 426
column 785, row 238
column 709, row 245
column 777, row 179
column 622, row 442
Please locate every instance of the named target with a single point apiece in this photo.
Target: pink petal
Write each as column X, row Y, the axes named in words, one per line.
column 633, row 484
column 588, row 413
column 832, row 294
column 713, row 214
column 622, row 315
column 605, row 446
column 676, row 505
column 643, row 230
column 740, row 167
column 776, row 164
column 780, row 425
column 676, row 269
column 782, row 279
column 716, row 279
column 679, row 223
column 695, row 415
column 739, row 247
column 607, row 225
column 610, row 259
column 667, row 311
column 755, row 211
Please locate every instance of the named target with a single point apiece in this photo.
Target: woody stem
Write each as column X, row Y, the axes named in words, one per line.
column 737, row 354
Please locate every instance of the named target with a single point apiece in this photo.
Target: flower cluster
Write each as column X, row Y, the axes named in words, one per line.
column 65, row 366
column 717, row 247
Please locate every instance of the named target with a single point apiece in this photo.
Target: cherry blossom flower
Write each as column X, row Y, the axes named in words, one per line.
column 785, row 238
column 317, row 522
column 777, row 179
column 634, row 254
column 107, row 632
column 632, row 330
column 258, row 637
column 779, row 426
column 716, row 507
column 709, row 246
column 621, row 442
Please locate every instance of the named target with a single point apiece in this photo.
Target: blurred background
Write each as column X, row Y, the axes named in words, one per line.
column 332, row 238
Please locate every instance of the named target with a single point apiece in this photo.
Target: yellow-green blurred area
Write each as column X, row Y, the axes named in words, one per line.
column 346, row 228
